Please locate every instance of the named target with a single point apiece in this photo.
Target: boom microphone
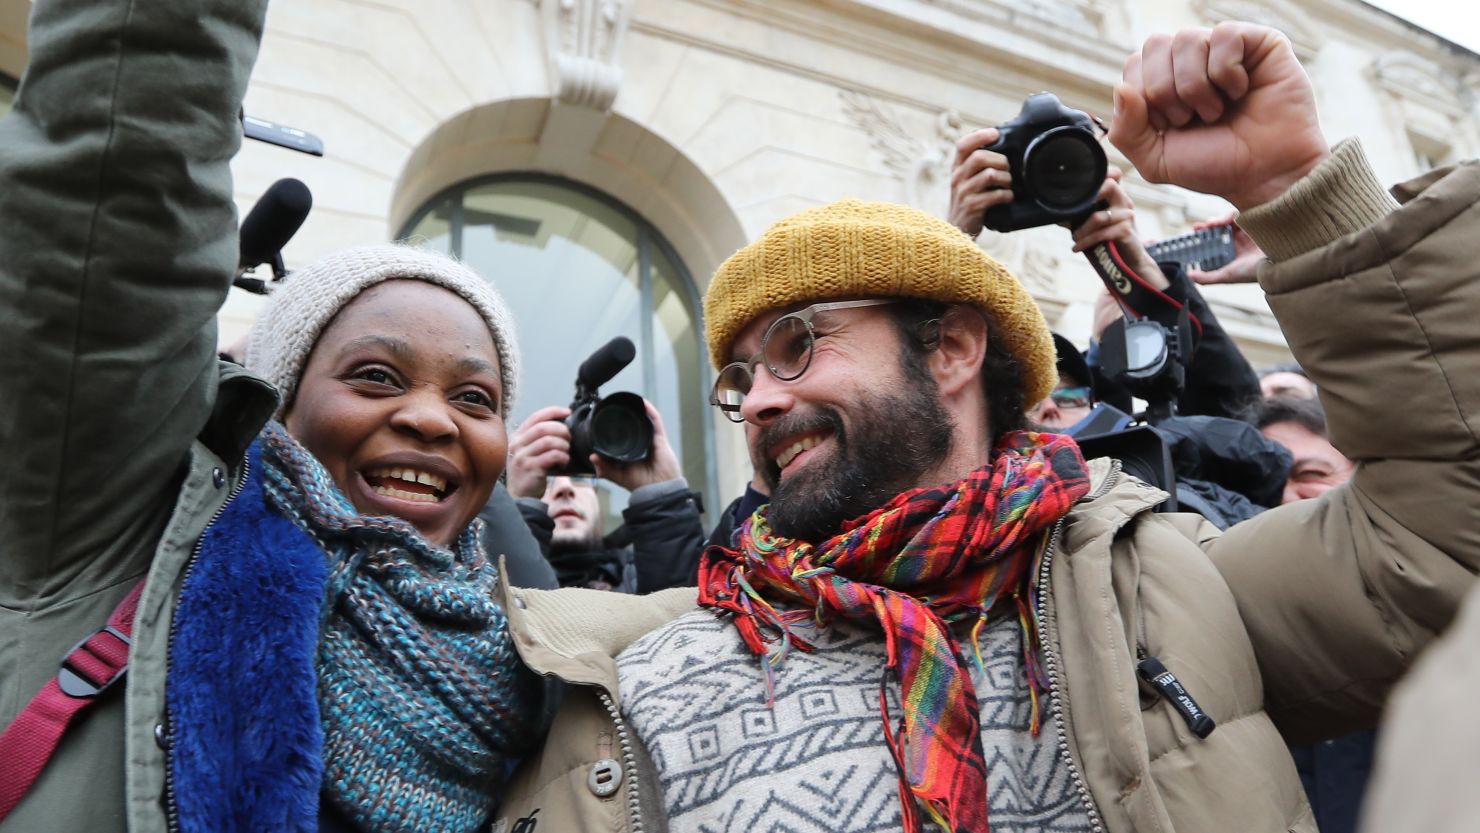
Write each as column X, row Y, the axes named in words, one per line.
column 605, row 363
column 616, row 427
column 269, row 226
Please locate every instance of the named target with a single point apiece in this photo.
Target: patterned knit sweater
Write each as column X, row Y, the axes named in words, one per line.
column 817, row 761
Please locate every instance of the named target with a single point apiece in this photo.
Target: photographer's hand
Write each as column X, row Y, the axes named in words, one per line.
column 1107, row 311
column 1117, row 224
column 1227, row 111
column 660, row 466
column 539, row 444
column 1244, row 268
column 979, row 180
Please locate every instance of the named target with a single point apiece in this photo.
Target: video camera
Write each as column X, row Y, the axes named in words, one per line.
column 1056, row 162
column 1144, row 357
column 1146, row 352
column 616, row 427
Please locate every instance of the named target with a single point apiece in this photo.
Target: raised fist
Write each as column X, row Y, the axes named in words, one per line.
column 1226, row 111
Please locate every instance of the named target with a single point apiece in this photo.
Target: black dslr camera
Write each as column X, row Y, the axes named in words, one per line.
column 1056, row 162
column 617, row 426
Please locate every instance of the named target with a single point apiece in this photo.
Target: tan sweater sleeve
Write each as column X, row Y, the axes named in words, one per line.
column 1340, row 196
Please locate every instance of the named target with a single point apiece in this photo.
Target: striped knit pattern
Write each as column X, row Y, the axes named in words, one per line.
column 852, row 249
column 423, row 699
column 957, row 553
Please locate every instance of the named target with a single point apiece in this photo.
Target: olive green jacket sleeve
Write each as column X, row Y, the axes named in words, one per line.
column 1379, row 302
column 117, row 245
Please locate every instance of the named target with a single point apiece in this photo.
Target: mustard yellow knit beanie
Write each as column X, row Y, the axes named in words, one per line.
column 852, row 249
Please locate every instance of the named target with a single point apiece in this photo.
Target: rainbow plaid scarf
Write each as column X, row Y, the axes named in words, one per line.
column 928, row 559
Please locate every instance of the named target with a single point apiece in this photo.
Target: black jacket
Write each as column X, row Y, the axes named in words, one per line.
column 723, row 534
column 506, row 534
column 657, row 548
column 1226, row 470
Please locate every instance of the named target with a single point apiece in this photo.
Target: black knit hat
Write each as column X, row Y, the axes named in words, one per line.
column 1071, row 363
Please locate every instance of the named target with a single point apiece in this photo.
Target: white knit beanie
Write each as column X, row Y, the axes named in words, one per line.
column 309, row 298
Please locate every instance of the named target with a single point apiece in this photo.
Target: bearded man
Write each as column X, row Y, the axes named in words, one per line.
column 945, row 622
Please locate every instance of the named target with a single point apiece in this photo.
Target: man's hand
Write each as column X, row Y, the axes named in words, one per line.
column 540, row 443
column 1244, row 268
column 659, row 467
column 979, row 180
column 1228, row 112
column 1117, row 224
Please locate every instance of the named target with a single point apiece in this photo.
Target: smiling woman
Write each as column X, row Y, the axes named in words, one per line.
column 293, row 578
column 397, row 368
column 401, row 400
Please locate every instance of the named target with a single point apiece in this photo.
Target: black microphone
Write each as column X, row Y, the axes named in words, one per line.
column 605, row 363
column 269, row 226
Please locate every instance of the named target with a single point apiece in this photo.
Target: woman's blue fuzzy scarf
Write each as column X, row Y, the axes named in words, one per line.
column 246, row 752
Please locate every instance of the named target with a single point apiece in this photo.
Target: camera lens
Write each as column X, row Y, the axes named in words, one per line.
column 620, row 428
column 1064, row 168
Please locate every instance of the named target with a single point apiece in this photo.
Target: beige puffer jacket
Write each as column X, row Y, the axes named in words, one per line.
column 1291, row 626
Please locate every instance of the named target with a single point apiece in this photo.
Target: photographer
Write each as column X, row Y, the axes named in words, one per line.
column 658, row 547
column 1220, row 381
column 1224, row 470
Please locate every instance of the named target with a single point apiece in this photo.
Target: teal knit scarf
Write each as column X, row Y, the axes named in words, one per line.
column 424, row 702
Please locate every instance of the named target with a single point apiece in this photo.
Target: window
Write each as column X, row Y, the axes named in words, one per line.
column 578, row 268
column 1429, row 153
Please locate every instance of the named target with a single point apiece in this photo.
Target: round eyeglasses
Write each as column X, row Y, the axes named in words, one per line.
column 786, row 349
column 1079, row 397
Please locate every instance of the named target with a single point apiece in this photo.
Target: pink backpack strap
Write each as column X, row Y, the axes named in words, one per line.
column 92, row 667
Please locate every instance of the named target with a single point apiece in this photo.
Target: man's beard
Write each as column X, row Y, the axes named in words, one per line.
column 564, row 541
column 895, row 439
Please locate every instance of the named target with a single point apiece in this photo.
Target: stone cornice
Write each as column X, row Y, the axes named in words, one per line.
column 998, row 47
column 1283, row 15
column 1420, row 81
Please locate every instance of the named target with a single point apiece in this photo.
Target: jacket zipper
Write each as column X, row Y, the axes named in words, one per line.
column 1051, row 664
column 172, row 809
column 629, row 761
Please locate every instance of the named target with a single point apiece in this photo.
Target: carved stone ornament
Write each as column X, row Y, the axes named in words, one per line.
column 1085, row 17
column 924, row 168
column 1283, row 15
column 582, row 43
column 924, row 165
column 1420, row 81
column 1033, row 255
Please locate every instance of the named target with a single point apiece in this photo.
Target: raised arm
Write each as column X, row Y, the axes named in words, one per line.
column 1377, row 302
column 117, row 246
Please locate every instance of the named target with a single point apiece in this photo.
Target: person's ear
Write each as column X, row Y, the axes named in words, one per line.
column 961, row 348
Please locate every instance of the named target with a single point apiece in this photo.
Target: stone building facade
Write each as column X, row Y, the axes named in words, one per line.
column 598, row 159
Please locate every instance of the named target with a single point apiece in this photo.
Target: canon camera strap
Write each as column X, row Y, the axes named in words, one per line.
column 1133, row 293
